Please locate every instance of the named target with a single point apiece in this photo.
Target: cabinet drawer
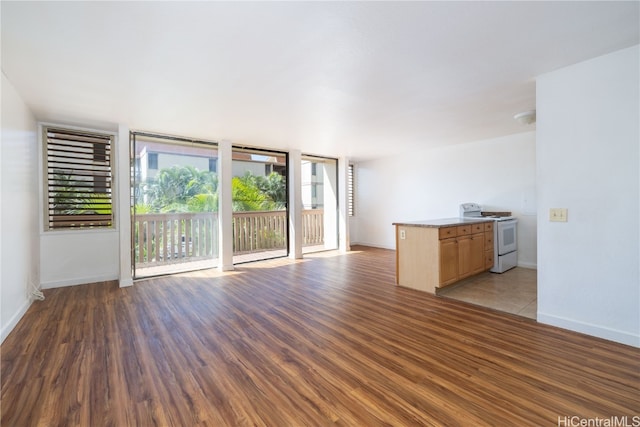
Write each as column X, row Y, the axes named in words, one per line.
column 488, row 226
column 488, row 259
column 488, row 240
column 477, row 228
column 463, row 230
column 447, row 232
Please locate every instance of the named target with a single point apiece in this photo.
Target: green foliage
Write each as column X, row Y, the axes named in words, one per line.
column 257, row 193
column 98, row 203
column 247, row 196
column 203, row 203
column 68, row 199
column 187, row 189
column 143, row 208
column 180, row 189
column 274, row 186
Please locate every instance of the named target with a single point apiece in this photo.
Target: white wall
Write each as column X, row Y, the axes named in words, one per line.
column 73, row 257
column 19, row 210
column 78, row 257
column 499, row 174
column 588, row 162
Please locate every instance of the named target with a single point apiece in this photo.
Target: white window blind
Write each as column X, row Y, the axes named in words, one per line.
column 352, row 208
column 79, row 179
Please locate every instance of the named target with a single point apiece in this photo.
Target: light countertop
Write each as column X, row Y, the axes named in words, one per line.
column 442, row 222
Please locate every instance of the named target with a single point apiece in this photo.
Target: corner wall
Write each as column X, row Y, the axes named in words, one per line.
column 588, row 161
column 19, row 243
column 498, row 173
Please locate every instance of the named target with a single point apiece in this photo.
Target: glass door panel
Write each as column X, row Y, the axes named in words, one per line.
column 260, row 212
column 175, row 205
column 320, row 204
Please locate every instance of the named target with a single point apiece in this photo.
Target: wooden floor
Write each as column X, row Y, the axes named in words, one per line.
column 328, row 340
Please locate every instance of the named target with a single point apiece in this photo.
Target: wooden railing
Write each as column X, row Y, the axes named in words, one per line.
column 259, row 231
column 174, row 237
column 312, row 227
column 184, row 237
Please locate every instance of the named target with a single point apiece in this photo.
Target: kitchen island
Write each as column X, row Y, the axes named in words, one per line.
column 431, row 254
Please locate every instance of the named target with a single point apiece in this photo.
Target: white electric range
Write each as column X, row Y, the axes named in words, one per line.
column 505, row 232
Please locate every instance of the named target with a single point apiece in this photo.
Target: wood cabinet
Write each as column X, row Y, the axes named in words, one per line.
column 433, row 257
column 488, row 245
column 476, row 255
column 464, row 256
column 448, row 261
column 470, row 252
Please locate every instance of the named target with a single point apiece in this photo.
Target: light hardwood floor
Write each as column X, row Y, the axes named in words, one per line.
column 328, row 340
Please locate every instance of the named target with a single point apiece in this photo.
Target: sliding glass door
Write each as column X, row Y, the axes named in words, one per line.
column 320, row 203
column 175, row 204
column 260, row 211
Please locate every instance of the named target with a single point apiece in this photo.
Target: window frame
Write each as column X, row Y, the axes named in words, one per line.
column 83, row 226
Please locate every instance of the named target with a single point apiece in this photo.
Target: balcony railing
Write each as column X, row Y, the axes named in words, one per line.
column 162, row 239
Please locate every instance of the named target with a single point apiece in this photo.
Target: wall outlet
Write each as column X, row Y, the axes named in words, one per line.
column 403, row 235
column 558, row 214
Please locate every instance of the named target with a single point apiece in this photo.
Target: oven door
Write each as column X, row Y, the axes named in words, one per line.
column 507, row 236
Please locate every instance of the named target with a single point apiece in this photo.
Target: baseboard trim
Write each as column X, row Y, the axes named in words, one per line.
column 529, row 265
column 590, row 329
column 373, row 245
column 6, row 330
column 79, row 281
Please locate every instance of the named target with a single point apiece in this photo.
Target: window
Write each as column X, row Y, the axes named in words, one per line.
column 79, row 179
column 152, row 161
column 213, row 164
column 350, row 195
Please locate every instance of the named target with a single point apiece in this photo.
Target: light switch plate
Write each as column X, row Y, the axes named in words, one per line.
column 558, row 214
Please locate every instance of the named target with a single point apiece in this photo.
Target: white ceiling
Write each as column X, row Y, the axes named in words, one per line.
column 357, row 79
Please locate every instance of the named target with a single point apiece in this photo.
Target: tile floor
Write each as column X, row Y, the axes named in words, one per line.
column 514, row 291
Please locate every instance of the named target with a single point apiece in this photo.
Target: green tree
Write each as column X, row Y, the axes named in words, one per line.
column 187, row 189
column 247, row 196
column 183, row 189
column 274, row 186
column 258, row 193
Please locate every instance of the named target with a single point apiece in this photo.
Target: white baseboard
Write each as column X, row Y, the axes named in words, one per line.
column 77, row 281
column 590, row 329
column 6, row 330
column 529, row 265
column 373, row 245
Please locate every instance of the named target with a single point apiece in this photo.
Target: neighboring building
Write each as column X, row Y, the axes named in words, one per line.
column 312, row 185
column 151, row 157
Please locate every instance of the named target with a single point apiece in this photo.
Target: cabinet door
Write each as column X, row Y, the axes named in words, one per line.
column 448, row 261
column 477, row 253
column 464, row 256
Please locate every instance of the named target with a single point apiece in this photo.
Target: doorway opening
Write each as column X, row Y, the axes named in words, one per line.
column 319, row 203
column 260, row 204
column 174, row 205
